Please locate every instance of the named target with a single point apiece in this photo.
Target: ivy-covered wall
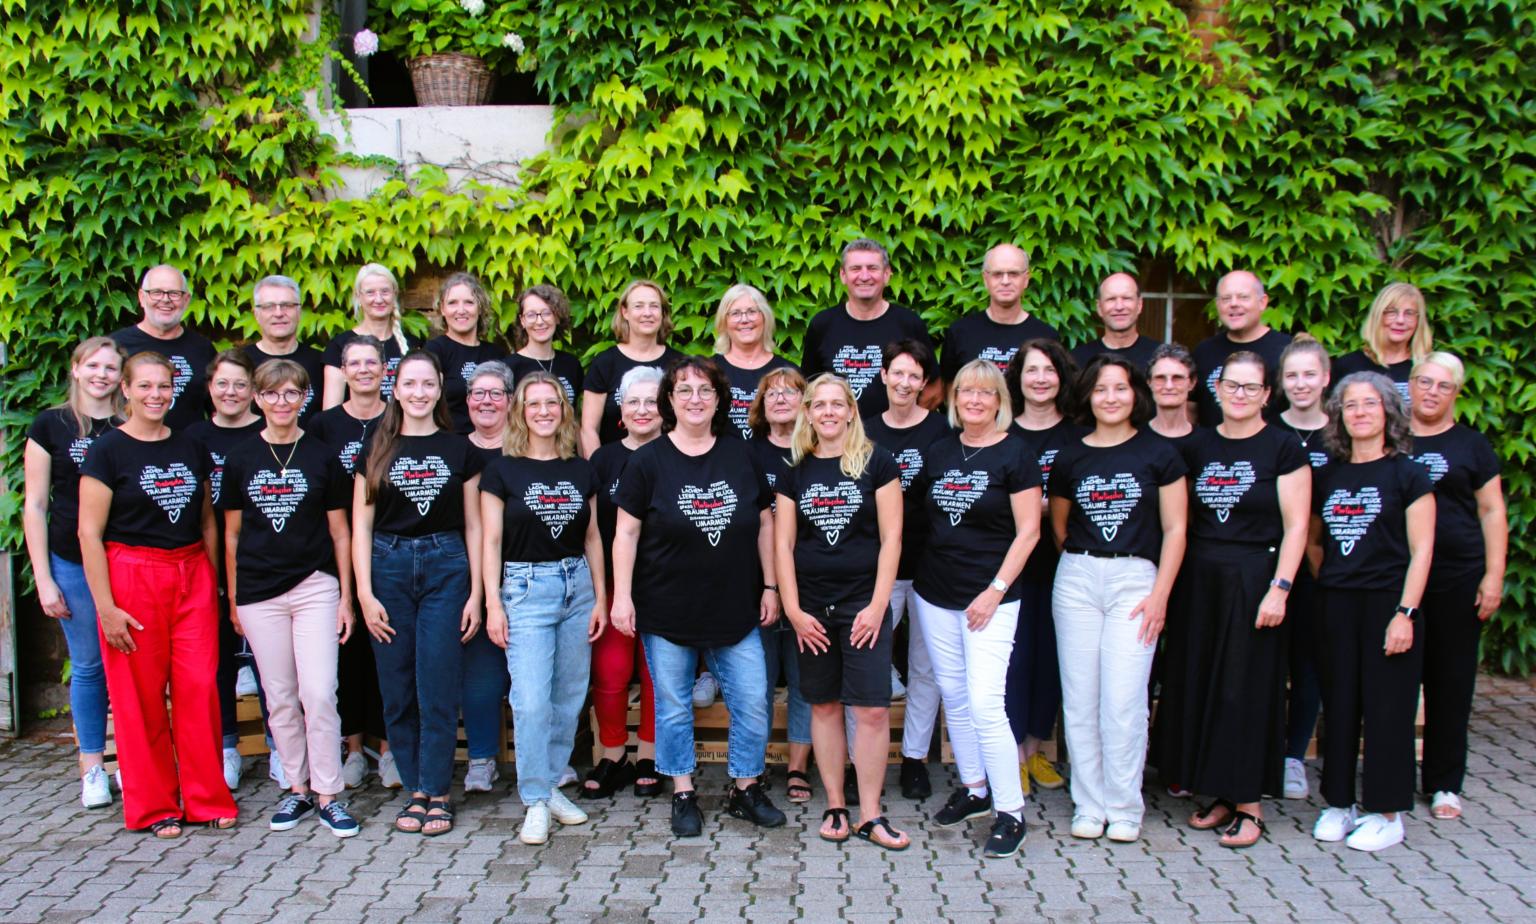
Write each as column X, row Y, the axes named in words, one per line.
column 1331, row 146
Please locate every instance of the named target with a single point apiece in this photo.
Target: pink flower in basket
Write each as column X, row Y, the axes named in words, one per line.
column 365, row 43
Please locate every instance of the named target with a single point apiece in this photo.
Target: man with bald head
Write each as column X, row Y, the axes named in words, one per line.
column 1240, row 303
column 995, row 334
column 164, row 296
column 1119, row 310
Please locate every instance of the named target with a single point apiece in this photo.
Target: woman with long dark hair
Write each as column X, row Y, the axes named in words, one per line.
column 543, row 316
column 465, row 309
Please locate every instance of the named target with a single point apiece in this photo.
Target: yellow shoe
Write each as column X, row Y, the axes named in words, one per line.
column 1044, row 774
column 1024, row 778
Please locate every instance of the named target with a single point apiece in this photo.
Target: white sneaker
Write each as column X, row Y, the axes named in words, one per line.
column 482, row 773
column 898, row 689
column 94, row 791
column 535, row 824
column 568, row 777
column 245, row 682
column 1124, row 832
column 1375, row 832
column 705, row 690
column 1295, row 779
column 1334, row 824
column 354, row 770
column 1087, row 827
column 234, row 766
column 275, row 771
column 389, row 774
column 564, row 810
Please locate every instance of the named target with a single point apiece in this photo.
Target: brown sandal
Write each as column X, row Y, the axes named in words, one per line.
column 1229, row 837
column 877, row 828
column 1206, row 820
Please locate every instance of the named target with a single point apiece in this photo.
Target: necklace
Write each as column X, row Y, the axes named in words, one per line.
column 968, row 456
column 281, row 464
column 1304, row 438
column 550, row 368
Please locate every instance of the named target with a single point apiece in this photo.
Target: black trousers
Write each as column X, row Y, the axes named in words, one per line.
column 1363, row 686
column 358, row 704
column 1452, row 632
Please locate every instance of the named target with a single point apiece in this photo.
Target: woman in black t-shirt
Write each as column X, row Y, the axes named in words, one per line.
column 56, row 445
column 1221, row 720
column 544, row 315
column 1172, row 377
column 415, row 512
column 1118, row 509
column 744, row 348
column 1372, row 536
column 376, row 297
column 642, row 322
column 1466, row 578
column 693, row 541
column 287, row 551
column 545, row 597
column 837, row 544
column 464, row 306
column 983, row 507
column 146, row 542
column 1396, row 335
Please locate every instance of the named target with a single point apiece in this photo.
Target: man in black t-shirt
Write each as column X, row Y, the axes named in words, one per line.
column 1120, row 310
column 278, row 305
column 1240, row 302
column 164, row 296
column 995, row 334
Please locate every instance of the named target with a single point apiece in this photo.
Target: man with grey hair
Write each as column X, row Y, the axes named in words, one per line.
column 1119, row 307
column 164, row 295
column 995, row 334
column 1240, row 303
column 848, row 339
column 278, row 305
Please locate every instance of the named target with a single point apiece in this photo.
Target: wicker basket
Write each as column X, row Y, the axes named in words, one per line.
column 450, row 79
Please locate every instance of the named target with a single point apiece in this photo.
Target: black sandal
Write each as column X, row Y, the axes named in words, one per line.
column 610, row 776
column 410, row 814
column 444, row 809
column 645, row 769
column 1210, row 823
column 1236, row 828
column 840, row 816
column 159, row 828
column 798, row 791
column 867, row 831
column 221, row 824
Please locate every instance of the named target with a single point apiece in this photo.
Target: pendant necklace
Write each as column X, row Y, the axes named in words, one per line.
column 281, row 464
column 968, row 456
column 1304, row 439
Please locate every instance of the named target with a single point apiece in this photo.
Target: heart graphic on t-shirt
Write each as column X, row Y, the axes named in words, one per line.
column 1348, row 515
column 1108, row 502
column 911, row 462
column 215, row 475
column 858, row 364
column 348, row 455
column 955, row 492
column 467, row 372
column 830, row 508
column 709, row 509
column 387, row 384
column 1212, row 379
column 555, row 505
column 1047, row 461
column 276, row 495
column 172, row 488
column 1435, row 463
column 1220, row 487
column 78, row 447
column 181, row 378
column 741, row 404
column 998, row 358
column 420, row 480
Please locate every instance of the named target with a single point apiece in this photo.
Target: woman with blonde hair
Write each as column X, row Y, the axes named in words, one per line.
column 744, row 348
column 642, row 322
column 376, row 299
column 1396, row 336
column 465, row 309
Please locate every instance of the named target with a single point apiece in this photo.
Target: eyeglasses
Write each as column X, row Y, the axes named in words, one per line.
column 1429, row 384
column 977, row 393
column 484, row 394
column 277, row 306
column 362, row 364
column 742, row 315
column 1405, row 314
column 779, row 394
column 286, row 396
column 165, row 295
column 703, row 393
column 1251, row 389
column 641, row 403
column 1368, row 404
column 537, row 316
column 1007, row 274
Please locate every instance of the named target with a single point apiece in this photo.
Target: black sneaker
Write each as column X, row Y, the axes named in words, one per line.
column 914, row 779
column 293, row 809
column 1007, row 836
column 336, row 817
column 752, row 804
column 962, row 806
column 687, row 821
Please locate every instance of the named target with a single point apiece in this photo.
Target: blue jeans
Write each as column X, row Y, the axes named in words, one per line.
column 87, row 679
column 744, row 682
column 484, row 690
column 423, row 583
column 781, row 650
column 549, row 660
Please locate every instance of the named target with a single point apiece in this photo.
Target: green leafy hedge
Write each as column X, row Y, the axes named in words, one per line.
column 1330, row 146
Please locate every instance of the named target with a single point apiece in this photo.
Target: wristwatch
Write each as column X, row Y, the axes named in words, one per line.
column 1281, row 583
column 999, row 585
column 1412, row 612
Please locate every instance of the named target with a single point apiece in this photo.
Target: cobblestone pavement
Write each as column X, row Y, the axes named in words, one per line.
column 62, row 863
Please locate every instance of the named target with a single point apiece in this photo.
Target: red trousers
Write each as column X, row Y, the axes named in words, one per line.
column 613, row 664
column 169, row 770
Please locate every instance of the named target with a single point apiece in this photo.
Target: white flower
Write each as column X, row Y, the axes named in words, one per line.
column 473, row 7
column 513, row 41
column 365, row 43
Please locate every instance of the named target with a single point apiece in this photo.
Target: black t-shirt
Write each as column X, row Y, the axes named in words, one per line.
column 459, row 362
column 1044, row 446
column 744, row 388
column 346, row 435
column 564, row 367
column 157, row 488
column 836, row 342
column 1357, row 361
column 837, row 538
column 1459, row 462
column 1364, row 508
column 1139, row 353
column 216, row 443
column 772, row 460
column 423, row 492
column 285, row 535
column 1113, row 492
column 603, row 378
column 1234, row 490
column 314, row 366
column 392, row 354
column 909, row 447
column 969, row 498
column 545, row 508
column 1210, row 358
column 977, row 336
column 1311, row 443
column 698, row 579
column 57, row 434
column 190, row 353
column 608, row 464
